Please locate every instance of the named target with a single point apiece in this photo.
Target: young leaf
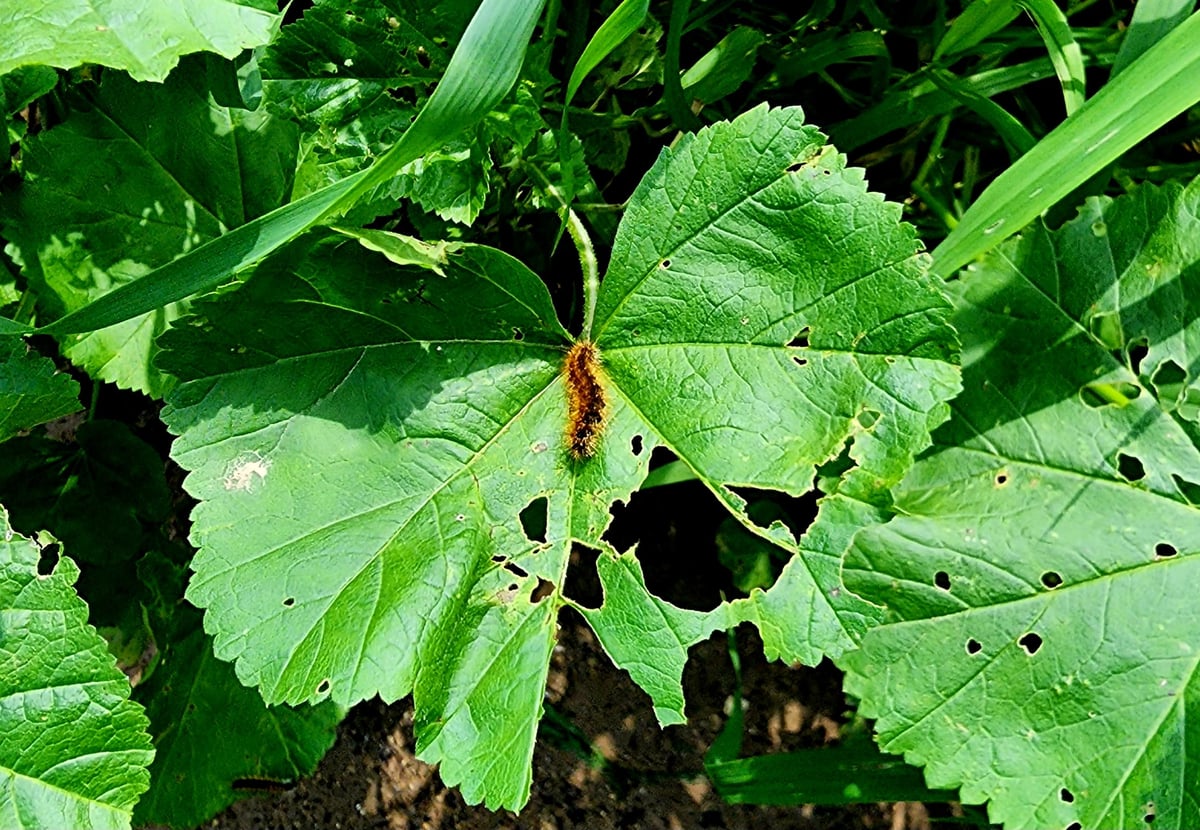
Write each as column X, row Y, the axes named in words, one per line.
column 1039, row 568
column 31, row 390
column 82, row 231
column 144, row 37
column 211, row 732
column 365, row 437
column 73, row 747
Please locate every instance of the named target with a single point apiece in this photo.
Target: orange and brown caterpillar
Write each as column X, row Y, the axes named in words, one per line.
column 586, row 403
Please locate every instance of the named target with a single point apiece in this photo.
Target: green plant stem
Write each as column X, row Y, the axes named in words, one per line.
column 94, row 402
column 583, row 244
column 936, row 205
column 24, row 312
column 591, row 270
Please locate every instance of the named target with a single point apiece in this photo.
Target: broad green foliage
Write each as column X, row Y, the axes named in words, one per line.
column 80, row 230
column 20, row 87
column 211, row 731
column 1039, row 570
column 96, row 495
column 73, row 747
column 354, row 75
column 31, row 391
column 363, row 437
column 145, row 37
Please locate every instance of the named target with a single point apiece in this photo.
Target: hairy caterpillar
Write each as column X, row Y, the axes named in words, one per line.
column 586, row 403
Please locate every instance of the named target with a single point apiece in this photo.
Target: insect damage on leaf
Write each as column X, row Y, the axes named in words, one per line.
column 586, row 404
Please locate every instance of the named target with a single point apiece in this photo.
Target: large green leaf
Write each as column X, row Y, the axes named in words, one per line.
column 1039, row 568
column 365, row 436
column 31, row 391
column 211, row 732
column 144, row 37
column 73, row 747
column 96, row 495
column 82, row 231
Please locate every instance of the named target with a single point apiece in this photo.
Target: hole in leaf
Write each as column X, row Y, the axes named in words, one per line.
column 423, row 58
column 323, row 686
column 1001, row 478
column 974, row 646
column 665, row 264
column 543, row 589
column 1150, row 814
column 1164, row 551
column 1051, row 580
column 635, row 445
column 1066, row 795
column 1187, row 489
column 289, row 602
column 499, row 557
column 800, row 361
column 1031, row 643
column 1169, row 373
column 1097, row 395
column 942, row 580
column 1074, row 826
column 1149, row 818
column 1130, row 468
column 47, row 560
column 800, row 341
column 796, row 514
column 518, row 335
column 533, row 520
column 515, row 570
column 1106, row 327
column 1138, row 349
column 795, row 166
column 403, row 94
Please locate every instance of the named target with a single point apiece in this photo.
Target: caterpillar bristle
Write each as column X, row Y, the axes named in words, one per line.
column 587, row 406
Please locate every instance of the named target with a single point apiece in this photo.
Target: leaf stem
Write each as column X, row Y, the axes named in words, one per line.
column 583, row 244
column 591, row 270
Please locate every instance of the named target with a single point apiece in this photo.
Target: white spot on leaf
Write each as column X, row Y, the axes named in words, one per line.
column 243, row 470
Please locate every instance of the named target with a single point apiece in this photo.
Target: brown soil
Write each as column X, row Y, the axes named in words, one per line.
column 371, row 778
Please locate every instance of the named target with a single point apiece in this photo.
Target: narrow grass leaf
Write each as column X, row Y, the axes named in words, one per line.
column 1012, row 132
column 1152, row 19
column 978, row 21
column 1065, row 53
column 482, row 70
column 1155, row 88
column 612, row 33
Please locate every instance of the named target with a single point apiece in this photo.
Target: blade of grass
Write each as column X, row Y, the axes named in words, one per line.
column 1154, row 89
column 1152, row 19
column 854, row 772
column 619, row 25
column 483, row 68
column 1065, row 53
column 977, row 22
column 1011, row 131
column 904, row 107
column 674, row 99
